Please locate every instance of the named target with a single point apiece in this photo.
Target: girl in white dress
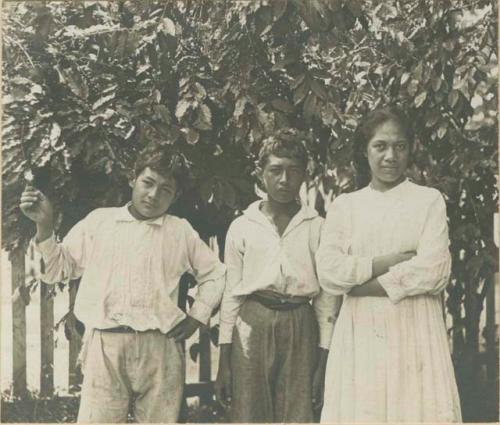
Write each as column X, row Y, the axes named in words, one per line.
column 385, row 247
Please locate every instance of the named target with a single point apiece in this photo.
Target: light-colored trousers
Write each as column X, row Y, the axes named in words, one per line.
column 146, row 367
column 273, row 358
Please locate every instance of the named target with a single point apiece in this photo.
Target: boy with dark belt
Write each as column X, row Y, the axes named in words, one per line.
column 272, row 351
column 130, row 260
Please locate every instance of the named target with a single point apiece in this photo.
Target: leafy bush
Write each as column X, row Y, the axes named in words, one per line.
column 87, row 84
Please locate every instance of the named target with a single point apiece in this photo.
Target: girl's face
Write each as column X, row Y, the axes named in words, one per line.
column 388, row 153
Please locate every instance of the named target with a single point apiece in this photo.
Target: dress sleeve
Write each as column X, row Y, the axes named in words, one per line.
column 326, row 306
column 338, row 271
column 428, row 271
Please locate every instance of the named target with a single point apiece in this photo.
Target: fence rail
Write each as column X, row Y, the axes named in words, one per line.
column 485, row 358
column 20, row 347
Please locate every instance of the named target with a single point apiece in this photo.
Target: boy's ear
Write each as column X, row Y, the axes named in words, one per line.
column 259, row 172
column 131, row 181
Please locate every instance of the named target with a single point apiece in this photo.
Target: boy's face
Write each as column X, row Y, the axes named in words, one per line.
column 152, row 194
column 282, row 178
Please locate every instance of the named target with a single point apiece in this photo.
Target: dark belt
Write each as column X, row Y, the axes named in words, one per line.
column 277, row 301
column 120, row 330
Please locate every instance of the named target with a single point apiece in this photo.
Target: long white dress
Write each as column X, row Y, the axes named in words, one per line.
column 389, row 357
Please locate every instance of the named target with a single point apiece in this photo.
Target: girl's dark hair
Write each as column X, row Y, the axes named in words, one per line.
column 285, row 143
column 366, row 130
column 164, row 161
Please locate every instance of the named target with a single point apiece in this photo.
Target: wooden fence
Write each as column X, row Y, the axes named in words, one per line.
column 19, row 278
column 479, row 404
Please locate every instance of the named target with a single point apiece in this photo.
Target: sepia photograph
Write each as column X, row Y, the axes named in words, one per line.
column 249, row 211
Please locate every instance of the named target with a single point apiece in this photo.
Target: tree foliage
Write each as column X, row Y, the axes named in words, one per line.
column 87, row 84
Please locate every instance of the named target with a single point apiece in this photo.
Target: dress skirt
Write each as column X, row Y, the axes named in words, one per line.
column 390, row 363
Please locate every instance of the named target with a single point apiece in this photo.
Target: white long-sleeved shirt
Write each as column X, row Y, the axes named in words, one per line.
column 369, row 223
column 257, row 258
column 130, row 269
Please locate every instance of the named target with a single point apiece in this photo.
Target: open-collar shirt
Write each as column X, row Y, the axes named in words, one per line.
column 258, row 258
column 130, row 269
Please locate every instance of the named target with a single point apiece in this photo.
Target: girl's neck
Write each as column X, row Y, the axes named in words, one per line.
column 381, row 186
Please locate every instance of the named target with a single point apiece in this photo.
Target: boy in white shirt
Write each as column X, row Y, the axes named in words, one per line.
column 130, row 260
column 273, row 353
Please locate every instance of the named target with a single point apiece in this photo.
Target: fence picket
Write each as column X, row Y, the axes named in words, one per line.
column 47, row 341
column 18, row 322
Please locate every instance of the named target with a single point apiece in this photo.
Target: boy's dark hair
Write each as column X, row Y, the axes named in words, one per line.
column 366, row 130
column 286, row 143
column 165, row 161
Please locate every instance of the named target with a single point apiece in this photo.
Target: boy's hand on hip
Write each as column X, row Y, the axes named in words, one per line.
column 184, row 329
column 222, row 388
column 318, row 388
column 318, row 385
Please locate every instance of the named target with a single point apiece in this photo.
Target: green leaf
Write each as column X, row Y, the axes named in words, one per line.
column 182, row 107
column 436, row 83
column 282, row 105
column 297, row 81
column 432, row 118
column 192, row 136
column 204, row 119
column 300, row 93
column 412, row 87
column 287, row 60
column 167, row 26
column 279, row 8
column 442, row 130
column 310, row 107
column 355, row 8
column 103, row 100
column 420, row 99
column 240, row 107
column 163, row 112
column 318, row 89
column 453, row 98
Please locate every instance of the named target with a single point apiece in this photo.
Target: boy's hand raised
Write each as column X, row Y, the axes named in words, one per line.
column 36, row 206
column 184, row 329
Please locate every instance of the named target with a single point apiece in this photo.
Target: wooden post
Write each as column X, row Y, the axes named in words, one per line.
column 205, row 373
column 75, row 344
column 47, row 341
column 18, row 323
column 491, row 348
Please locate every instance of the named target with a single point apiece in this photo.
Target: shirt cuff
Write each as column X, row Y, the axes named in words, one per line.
column 46, row 247
column 225, row 333
column 200, row 312
column 392, row 286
